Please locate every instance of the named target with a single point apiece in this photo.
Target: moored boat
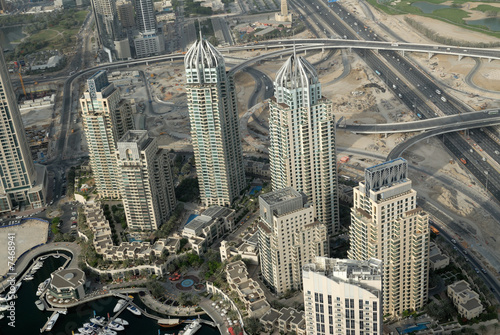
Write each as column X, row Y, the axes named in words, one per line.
column 167, row 323
column 28, row 277
column 134, row 310
column 121, row 321
column 119, row 305
column 39, row 304
column 52, row 322
column 192, row 328
column 115, row 326
column 98, row 320
column 42, row 287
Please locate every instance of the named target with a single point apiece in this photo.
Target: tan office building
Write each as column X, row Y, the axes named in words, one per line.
column 146, row 184
column 22, row 183
column 387, row 224
column 289, row 237
column 302, row 152
column 105, row 119
column 214, row 125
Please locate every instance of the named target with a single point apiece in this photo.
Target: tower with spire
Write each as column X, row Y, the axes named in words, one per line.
column 214, row 125
column 302, row 152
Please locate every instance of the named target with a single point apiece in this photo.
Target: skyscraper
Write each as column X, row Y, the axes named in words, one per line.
column 343, row 296
column 283, row 15
column 146, row 183
column 214, row 125
column 105, row 120
column 387, row 224
column 106, row 16
column 302, row 153
column 125, row 11
column 289, row 237
column 149, row 41
column 22, row 182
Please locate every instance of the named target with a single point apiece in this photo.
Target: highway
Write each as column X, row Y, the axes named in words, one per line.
column 446, row 124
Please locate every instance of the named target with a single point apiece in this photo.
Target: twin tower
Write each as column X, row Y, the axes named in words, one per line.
column 301, row 126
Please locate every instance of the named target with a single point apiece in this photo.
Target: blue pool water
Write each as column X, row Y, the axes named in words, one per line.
column 255, row 189
column 419, row 326
column 191, row 218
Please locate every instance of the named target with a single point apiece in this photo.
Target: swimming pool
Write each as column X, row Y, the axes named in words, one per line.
column 417, row 327
column 191, row 218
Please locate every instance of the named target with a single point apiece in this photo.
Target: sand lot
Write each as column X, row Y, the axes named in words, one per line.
column 27, row 235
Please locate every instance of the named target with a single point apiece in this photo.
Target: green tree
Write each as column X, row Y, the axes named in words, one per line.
column 253, row 326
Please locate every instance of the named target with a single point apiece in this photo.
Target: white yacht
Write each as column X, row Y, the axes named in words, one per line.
column 52, row 322
column 4, row 308
column 192, row 328
column 121, row 322
column 39, row 304
column 119, row 305
column 134, row 310
column 42, row 287
column 99, row 320
column 28, row 277
column 115, row 326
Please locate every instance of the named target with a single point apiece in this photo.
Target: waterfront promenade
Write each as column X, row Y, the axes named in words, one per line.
column 24, row 261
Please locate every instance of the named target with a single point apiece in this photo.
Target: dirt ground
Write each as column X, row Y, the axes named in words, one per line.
column 26, row 236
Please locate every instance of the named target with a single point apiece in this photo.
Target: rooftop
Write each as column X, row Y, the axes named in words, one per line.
column 278, row 196
column 68, row 278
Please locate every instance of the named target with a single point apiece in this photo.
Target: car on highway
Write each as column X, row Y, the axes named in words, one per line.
column 453, row 241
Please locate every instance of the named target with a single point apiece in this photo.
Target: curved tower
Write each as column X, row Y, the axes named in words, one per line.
column 214, row 125
column 302, row 134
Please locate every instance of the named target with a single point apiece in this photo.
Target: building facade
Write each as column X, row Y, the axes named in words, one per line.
column 146, row 185
column 289, row 237
column 387, row 224
column 22, row 182
column 343, row 297
column 125, row 10
column 214, row 125
column 105, row 120
column 149, row 41
column 302, row 152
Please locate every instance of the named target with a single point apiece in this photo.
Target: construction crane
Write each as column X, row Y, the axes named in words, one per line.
column 22, row 83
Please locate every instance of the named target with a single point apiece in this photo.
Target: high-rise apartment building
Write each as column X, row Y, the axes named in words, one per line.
column 302, row 152
column 289, row 237
column 343, row 297
column 22, row 182
column 108, row 25
column 125, row 11
column 146, row 183
column 214, row 125
column 105, row 120
column 149, row 41
column 387, row 224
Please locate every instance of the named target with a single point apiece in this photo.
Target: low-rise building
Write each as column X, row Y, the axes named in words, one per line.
column 212, row 224
column 465, row 300
column 248, row 252
column 436, row 259
column 248, row 290
column 67, row 284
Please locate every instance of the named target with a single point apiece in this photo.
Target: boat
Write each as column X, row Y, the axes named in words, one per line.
column 15, row 289
column 52, row 322
column 4, row 308
column 28, row 277
column 167, row 323
column 119, row 305
column 86, row 330
column 44, row 257
column 42, row 287
column 99, row 320
column 38, row 265
column 8, row 297
column 107, row 331
column 115, row 326
column 121, row 321
column 39, row 304
column 56, row 255
column 90, row 325
column 192, row 328
column 134, row 310
column 2, row 316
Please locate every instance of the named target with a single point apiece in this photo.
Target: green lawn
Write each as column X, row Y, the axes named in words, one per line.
column 44, row 35
column 453, row 15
